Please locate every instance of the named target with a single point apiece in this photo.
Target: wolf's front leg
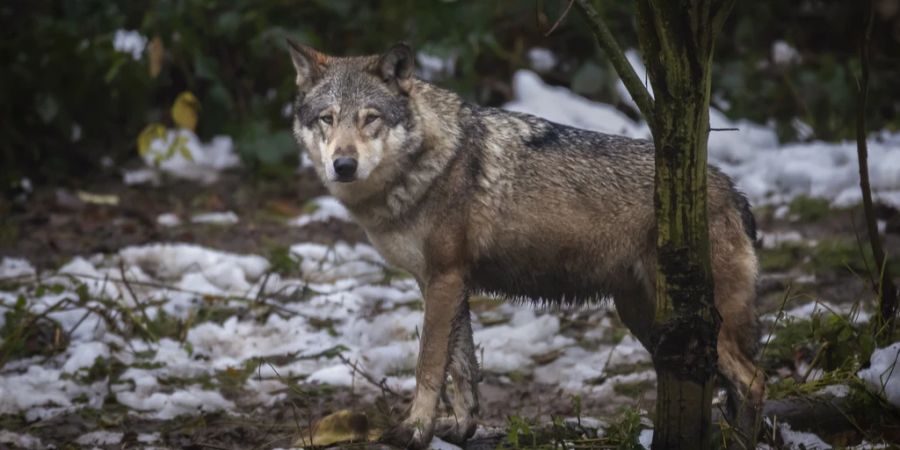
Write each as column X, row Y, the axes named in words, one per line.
column 444, row 296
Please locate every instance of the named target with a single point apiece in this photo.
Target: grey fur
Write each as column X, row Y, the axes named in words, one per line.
column 469, row 198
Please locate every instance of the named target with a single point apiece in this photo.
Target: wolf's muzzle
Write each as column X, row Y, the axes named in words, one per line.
column 345, row 168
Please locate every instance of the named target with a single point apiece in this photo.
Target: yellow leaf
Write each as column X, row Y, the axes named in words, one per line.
column 185, row 111
column 150, row 133
column 341, row 426
column 157, row 53
column 98, row 199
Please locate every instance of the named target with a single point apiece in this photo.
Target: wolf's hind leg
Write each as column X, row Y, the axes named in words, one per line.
column 734, row 269
column 464, row 380
column 745, row 385
column 633, row 297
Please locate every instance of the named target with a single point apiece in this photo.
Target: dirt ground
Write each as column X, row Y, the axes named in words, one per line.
column 53, row 224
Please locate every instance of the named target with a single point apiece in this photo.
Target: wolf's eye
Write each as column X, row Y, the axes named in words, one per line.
column 327, row 120
column 370, row 118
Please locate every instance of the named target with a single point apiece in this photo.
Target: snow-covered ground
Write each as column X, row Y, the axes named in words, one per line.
column 345, row 303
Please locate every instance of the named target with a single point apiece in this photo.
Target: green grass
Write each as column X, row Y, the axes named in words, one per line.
column 281, row 259
column 809, row 209
column 9, row 233
column 783, row 257
column 828, row 256
column 636, row 389
column 785, row 342
column 625, row 432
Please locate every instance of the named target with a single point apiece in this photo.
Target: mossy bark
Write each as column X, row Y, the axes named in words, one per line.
column 678, row 40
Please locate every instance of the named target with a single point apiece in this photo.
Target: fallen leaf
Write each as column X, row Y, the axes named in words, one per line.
column 287, row 208
column 98, row 199
column 341, row 426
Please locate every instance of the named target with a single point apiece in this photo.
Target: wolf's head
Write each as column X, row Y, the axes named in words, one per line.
column 353, row 114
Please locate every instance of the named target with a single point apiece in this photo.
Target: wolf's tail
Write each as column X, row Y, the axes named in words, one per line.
column 750, row 344
column 743, row 206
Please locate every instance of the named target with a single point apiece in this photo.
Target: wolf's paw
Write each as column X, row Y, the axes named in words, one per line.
column 410, row 435
column 453, row 430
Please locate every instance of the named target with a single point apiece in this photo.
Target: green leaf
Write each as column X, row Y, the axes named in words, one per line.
column 114, row 70
column 186, row 152
column 83, row 294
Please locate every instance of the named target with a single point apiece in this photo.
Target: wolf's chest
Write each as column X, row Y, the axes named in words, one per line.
column 403, row 249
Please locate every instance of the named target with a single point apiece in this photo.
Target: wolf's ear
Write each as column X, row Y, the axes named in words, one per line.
column 396, row 67
column 309, row 63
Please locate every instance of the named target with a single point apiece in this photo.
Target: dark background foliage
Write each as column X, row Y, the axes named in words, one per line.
column 70, row 100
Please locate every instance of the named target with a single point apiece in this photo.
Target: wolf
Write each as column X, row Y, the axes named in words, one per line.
column 472, row 199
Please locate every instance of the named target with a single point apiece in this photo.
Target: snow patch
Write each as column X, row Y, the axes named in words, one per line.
column 836, row 390
column 541, row 59
column 100, row 438
column 783, row 54
column 883, row 374
column 440, row 444
column 767, row 171
column 15, row 268
column 39, row 387
column 326, row 208
column 171, row 261
column 21, row 440
column 801, row 440
column 190, row 401
column 433, row 67
column 218, row 218
column 338, row 375
column 140, row 176
column 131, row 42
column 558, row 104
column 202, row 163
column 510, row 346
column 168, row 220
column 816, row 308
column 646, row 438
column 83, row 355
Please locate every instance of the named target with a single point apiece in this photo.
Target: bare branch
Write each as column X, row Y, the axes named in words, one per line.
column 885, row 291
column 626, row 72
column 385, row 389
column 721, row 11
column 561, row 18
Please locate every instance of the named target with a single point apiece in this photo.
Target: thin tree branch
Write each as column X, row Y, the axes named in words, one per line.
column 885, row 290
column 385, row 389
column 720, row 12
column 561, row 18
column 626, row 72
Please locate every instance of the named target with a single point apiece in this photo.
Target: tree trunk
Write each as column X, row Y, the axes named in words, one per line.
column 677, row 38
column 686, row 325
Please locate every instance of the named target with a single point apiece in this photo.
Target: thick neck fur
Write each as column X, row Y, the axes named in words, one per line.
column 404, row 179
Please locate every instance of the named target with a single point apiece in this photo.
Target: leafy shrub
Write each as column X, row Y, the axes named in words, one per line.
column 71, row 99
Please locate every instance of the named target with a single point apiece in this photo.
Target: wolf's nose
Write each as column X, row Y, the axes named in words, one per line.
column 345, row 167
